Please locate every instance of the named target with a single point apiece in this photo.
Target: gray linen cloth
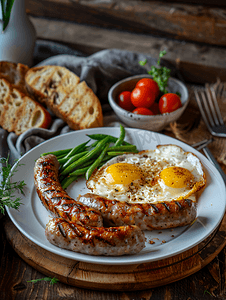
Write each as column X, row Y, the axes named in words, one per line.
column 100, row 71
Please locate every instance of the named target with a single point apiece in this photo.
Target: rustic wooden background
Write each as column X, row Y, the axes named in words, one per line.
column 192, row 32
column 194, row 35
column 15, row 274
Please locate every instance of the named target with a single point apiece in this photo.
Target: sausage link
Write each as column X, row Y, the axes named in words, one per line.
column 56, row 200
column 78, row 227
column 145, row 215
column 112, row 241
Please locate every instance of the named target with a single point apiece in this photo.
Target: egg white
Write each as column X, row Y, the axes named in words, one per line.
column 150, row 188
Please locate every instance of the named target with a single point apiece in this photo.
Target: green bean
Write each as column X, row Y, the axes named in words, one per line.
column 123, row 148
column 77, row 149
column 67, row 181
column 92, row 145
column 57, row 153
column 79, row 171
column 65, row 162
column 96, row 162
column 100, row 137
column 121, row 137
column 60, row 156
column 86, row 157
column 73, row 176
column 88, row 163
column 84, row 168
column 116, row 153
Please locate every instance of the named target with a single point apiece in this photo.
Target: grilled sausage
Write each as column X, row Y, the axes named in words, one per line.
column 56, row 200
column 79, row 227
column 112, row 241
column 145, row 215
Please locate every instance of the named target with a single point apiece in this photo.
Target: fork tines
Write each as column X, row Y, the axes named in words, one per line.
column 208, row 106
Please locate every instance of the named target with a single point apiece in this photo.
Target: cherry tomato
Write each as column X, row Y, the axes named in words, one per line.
column 142, row 97
column 150, row 83
column 124, row 101
column 169, row 102
column 142, row 111
column 155, row 108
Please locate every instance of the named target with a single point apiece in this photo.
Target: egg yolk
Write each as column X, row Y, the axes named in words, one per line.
column 177, row 177
column 123, row 173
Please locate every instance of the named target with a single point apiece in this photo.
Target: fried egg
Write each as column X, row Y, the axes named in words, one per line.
column 164, row 174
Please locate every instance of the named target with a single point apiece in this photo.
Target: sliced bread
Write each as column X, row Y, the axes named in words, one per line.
column 63, row 93
column 19, row 112
column 14, row 74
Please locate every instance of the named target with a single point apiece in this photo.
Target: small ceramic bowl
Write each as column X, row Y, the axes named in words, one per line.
column 155, row 122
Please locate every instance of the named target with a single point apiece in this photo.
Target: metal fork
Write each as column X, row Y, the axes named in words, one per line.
column 208, row 106
column 203, row 146
column 221, row 90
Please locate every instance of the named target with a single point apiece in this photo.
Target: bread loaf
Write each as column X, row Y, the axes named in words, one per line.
column 63, row 93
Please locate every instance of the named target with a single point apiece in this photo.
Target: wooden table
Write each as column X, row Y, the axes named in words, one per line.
column 198, row 63
column 15, row 273
column 198, row 273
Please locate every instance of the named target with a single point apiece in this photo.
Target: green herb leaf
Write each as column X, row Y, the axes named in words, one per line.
column 161, row 54
column 160, row 74
column 207, row 293
column 143, row 63
column 6, row 11
column 8, row 188
column 51, row 280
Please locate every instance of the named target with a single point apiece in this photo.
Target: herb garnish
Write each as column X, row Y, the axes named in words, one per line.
column 207, row 293
column 159, row 74
column 6, row 11
column 8, row 188
column 51, row 280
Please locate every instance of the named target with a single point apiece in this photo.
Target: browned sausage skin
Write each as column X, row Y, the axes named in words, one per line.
column 56, row 200
column 112, row 241
column 80, row 228
column 145, row 215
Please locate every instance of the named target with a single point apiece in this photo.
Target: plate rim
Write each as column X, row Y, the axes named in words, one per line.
column 108, row 259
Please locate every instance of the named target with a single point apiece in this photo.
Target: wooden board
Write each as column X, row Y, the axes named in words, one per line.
column 117, row 278
column 197, row 64
column 181, row 21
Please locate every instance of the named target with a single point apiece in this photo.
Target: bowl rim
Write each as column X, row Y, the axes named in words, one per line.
column 126, row 112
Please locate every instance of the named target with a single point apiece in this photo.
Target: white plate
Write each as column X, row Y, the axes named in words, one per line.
column 31, row 218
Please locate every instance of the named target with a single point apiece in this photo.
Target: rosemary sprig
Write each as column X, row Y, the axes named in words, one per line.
column 206, row 291
column 8, row 188
column 51, row 280
column 160, row 74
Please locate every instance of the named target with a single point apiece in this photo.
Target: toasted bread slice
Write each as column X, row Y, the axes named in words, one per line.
column 19, row 112
column 63, row 93
column 14, row 74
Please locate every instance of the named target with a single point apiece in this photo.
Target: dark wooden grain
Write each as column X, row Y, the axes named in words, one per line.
column 208, row 283
column 197, row 64
column 219, row 3
column 117, row 278
column 181, row 21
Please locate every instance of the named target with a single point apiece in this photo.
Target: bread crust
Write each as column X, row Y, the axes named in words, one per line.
column 14, row 74
column 19, row 112
column 61, row 91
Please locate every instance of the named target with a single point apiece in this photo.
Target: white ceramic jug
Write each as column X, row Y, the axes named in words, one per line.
column 18, row 39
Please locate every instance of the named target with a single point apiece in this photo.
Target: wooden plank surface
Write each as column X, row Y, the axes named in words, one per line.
column 15, row 273
column 117, row 278
column 181, row 21
column 197, row 63
column 213, row 3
